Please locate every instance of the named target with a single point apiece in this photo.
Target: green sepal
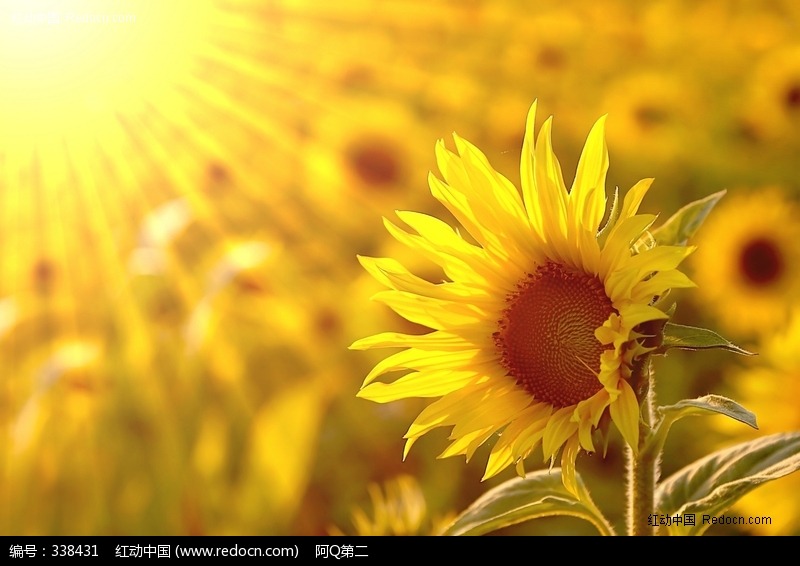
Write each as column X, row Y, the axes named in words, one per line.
column 711, row 485
column 613, row 215
column 682, row 225
column 693, row 338
column 538, row 494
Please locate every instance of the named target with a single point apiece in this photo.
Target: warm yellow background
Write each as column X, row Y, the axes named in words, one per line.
column 184, row 186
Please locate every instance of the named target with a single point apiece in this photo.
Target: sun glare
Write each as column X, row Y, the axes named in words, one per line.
column 93, row 105
column 67, row 64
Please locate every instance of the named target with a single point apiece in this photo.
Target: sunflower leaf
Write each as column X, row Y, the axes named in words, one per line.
column 539, row 494
column 709, row 486
column 709, row 404
column 702, row 406
column 682, row 225
column 693, row 338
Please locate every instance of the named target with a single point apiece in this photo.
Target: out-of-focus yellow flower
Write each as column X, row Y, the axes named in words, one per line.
column 653, row 115
column 748, row 263
column 773, row 108
column 62, row 391
column 547, row 44
column 360, row 157
column 49, row 441
column 771, row 390
column 398, row 509
column 533, row 330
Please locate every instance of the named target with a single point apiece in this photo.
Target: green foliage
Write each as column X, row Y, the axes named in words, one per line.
column 683, row 224
column 703, row 406
column 693, row 338
column 712, row 484
column 539, row 494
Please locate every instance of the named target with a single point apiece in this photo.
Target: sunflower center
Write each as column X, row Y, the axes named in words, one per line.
column 761, row 261
column 650, row 116
column 792, row 97
column 546, row 338
column 44, row 275
column 550, row 58
column 374, row 162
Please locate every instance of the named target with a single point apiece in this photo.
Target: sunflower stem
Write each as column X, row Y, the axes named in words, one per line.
column 643, row 466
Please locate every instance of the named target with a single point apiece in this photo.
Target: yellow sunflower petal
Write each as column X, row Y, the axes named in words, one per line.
column 468, row 443
column 431, row 383
column 441, row 235
column 458, row 266
column 433, row 313
column 450, row 409
column 489, row 183
column 559, row 428
column 438, row 340
column 421, row 359
column 550, row 183
column 392, row 274
column 461, row 201
column 530, row 192
column 503, row 404
column 630, row 205
column 635, row 314
column 568, row 474
column 588, row 189
column 660, row 258
column 610, row 371
column 506, row 451
column 659, row 283
column 620, row 239
column 625, row 414
column 587, row 415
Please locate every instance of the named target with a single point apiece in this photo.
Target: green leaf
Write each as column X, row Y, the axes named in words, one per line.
column 711, row 485
column 692, row 338
column 710, row 404
column 683, row 224
column 539, row 494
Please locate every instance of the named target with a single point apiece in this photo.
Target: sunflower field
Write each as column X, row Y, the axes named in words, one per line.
column 199, row 199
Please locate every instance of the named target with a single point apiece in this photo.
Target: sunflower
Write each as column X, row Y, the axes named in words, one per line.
column 360, row 148
column 775, row 92
column 399, row 508
column 748, row 261
column 655, row 111
column 536, row 327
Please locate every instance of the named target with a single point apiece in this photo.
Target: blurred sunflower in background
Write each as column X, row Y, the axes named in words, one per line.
column 653, row 112
column 748, row 262
column 775, row 92
column 534, row 329
column 399, row 508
